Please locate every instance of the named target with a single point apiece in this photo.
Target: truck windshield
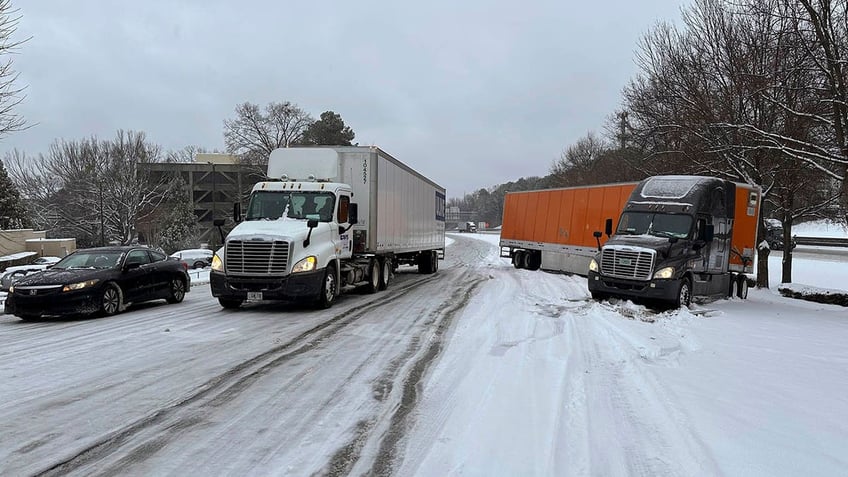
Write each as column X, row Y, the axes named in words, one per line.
column 661, row 225
column 271, row 205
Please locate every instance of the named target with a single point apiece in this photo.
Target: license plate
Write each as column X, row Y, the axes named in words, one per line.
column 254, row 296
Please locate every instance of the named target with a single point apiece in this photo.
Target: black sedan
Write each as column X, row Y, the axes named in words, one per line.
column 99, row 280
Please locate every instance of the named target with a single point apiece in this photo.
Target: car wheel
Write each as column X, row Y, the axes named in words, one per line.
column 684, row 294
column 199, row 264
column 386, row 273
column 110, row 300
column 178, row 291
column 230, row 303
column 327, row 295
column 373, row 276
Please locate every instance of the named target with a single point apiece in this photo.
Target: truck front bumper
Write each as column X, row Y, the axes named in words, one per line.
column 292, row 287
column 665, row 290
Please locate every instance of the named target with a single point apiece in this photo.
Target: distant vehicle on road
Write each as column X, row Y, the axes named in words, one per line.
column 196, row 257
column 101, row 280
column 469, row 227
column 774, row 234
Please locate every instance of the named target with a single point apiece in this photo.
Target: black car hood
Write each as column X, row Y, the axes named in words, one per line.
column 62, row 276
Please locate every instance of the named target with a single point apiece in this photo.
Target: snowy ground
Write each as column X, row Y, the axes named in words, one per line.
column 479, row 370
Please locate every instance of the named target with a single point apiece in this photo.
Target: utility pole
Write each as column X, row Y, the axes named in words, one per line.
column 622, row 135
column 214, row 192
column 102, row 232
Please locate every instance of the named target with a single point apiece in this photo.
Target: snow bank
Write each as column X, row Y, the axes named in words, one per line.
column 818, row 295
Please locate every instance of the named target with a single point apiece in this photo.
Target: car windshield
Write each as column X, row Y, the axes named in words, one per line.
column 99, row 259
column 660, row 225
column 272, row 205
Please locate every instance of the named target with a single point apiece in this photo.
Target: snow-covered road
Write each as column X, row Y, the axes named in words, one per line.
column 480, row 369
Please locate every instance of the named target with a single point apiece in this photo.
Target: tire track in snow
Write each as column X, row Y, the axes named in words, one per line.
column 634, row 409
column 416, row 360
column 225, row 386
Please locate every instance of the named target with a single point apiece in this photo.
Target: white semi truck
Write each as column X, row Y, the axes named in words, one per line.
column 326, row 221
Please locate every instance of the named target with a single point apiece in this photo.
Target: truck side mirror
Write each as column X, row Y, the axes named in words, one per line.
column 709, row 233
column 237, row 212
column 608, row 227
column 597, row 234
column 353, row 214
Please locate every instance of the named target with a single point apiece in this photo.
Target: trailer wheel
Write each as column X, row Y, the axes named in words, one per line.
column 424, row 263
column 534, row 260
column 327, row 295
column 434, row 259
column 742, row 286
column 684, row 294
column 373, row 276
column 385, row 273
column 518, row 259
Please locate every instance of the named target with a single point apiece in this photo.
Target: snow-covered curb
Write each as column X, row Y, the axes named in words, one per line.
column 818, row 295
column 199, row 276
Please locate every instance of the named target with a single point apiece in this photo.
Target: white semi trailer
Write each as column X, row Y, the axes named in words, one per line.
column 326, row 221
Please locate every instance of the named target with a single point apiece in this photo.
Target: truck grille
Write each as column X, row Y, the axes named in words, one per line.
column 627, row 263
column 257, row 257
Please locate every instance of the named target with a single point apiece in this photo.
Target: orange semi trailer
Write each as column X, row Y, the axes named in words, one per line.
column 553, row 229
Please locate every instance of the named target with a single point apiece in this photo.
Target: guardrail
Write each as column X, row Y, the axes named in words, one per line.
column 822, row 241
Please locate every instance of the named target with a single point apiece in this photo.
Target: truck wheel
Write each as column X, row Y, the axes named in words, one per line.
column 742, row 287
column 385, row 273
column 434, row 261
column 518, row 259
column 230, row 303
column 684, row 294
column 373, row 276
column 734, row 284
column 327, row 295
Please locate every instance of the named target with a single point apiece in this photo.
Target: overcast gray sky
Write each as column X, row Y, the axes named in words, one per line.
column 470, row 93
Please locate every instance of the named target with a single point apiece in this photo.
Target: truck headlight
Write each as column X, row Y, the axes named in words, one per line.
column 593, row 265
column 664, row 273
column 305, row 265
column 217, row 263
column 79, row 285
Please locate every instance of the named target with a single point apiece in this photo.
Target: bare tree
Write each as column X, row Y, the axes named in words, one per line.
column 91, row 189
column 253, row 134
column 10, row 94
column 733, row 93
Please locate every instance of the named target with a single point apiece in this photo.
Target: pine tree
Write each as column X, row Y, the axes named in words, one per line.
column 330, row 130
column 13, row 213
